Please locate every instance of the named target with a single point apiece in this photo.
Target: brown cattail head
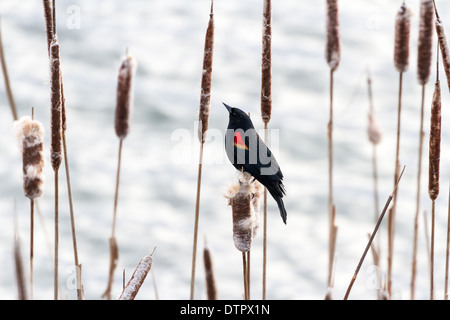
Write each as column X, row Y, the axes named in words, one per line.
column 402, row 35
column 424, row 55
column 205, row 96
column 444, row 48
column 48, row 15
column 266, row 65
column 435, row 143
column 30, row 134
column 244, row 200
column 211, row 289
column 124, row 96
column 373, row 129
column 55, row 73
column 333, row 45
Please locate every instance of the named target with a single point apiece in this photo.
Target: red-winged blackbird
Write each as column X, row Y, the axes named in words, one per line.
column 248, row 152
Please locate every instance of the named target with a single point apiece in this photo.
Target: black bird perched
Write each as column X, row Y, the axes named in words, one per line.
column 248, row 152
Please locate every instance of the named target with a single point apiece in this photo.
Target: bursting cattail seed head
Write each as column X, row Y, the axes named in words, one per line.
column 30, row 134
column 205, row 96
column 333, row 46
column 435, row 143
column 56, row 107
column 124, row 96
column 244, row 197
column 425, row 45
column 402, row 35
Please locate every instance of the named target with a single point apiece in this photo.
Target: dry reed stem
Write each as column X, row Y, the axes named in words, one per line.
column 137, row 279
column 12, row 104
column 425, row 41
column 19, row 268
column 205, row 98
column 211, row 288
column 372, row 236
column 447, row 250
column 333, row 46
column 402, row 35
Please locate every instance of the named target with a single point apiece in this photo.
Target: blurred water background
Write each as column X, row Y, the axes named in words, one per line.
column 159, row 160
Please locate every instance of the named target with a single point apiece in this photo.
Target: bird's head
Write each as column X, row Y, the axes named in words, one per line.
column 238, row 119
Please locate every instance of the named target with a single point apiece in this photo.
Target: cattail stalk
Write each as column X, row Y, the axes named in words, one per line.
column 205, row 99
column 211, row 288
column 12, row 104
column 372, row 236
column 124, row 104
column 332, row 54
column 424, row 57
column 266, row 111
column 244, row 197
column 56, row 141
column 375, row 135
column 447, row 250
column 30, row 134
column 20, row 273
column 434, row 165
column 137, row 279
column 401, row 62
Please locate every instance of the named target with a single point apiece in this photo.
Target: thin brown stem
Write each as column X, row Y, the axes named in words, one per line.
column 7, row 82
column 416, row 217
column 447, row 251
column 264, row 273
column 391, row 218
column 56, row 262
column 31, row 246
column 433, row 205
column 377, row 225
column 72, row 221
column 197, row 210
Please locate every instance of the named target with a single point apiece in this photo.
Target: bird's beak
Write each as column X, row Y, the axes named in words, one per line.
column 227, row 106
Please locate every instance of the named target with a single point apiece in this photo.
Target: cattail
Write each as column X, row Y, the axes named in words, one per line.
column 137, row 279
column 205, row 96
column 402, row 33
column 124, row 96
column 209, row 274
column 30, row 134
column 444, row 47
column 56, row 139
column 333, row 46
column 435, row 143
column 48, row 14
column 266, row 64
column 424, row 54
column 244, row 200
column 373, row 129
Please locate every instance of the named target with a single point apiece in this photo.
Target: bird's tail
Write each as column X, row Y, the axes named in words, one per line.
column 283, row 212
